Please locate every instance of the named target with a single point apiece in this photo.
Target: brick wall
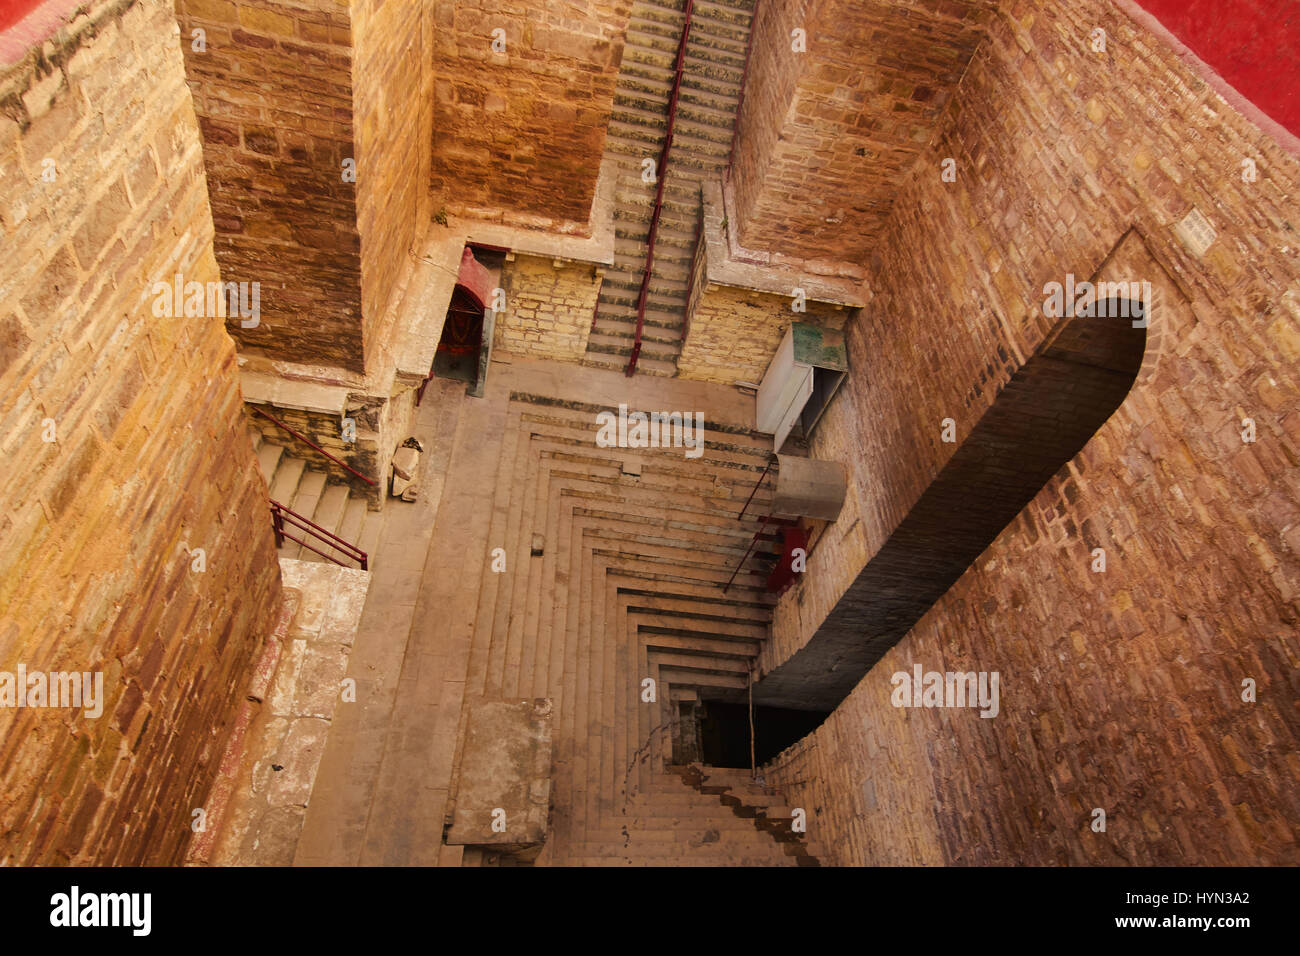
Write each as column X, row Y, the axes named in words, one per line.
column 393, row 101
column 825, row 135
column 1119, row 690
column 524, row 129
column 150, row 456
column 734, row 333
column 283, row 213
column 548, row 308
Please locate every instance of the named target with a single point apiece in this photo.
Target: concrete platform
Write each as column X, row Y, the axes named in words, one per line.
column 505, row 776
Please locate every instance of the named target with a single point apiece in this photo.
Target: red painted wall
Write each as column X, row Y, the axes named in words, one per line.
column 1253, row 44
column 25, row 23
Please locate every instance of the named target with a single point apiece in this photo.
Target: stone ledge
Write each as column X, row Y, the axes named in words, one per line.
column 723, row 265
column 260, row 388
column 269, row 776
column 505, row 775
column 597, row 249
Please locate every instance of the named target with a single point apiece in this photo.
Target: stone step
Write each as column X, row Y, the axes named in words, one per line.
column 671, row 235
column 698, row 663
column 268, row 457
column 354, row 520
column 667, row 274
column 663, row 600
column 618, row 330
column 284, row 483
column 703, row 646
column 661, row 302
column 620, row 316
column 715, row 64
column 644, row 365
column 626, row 290
column 706, row 23
column 305, row 499
column 329, row 515
column 609, row 345
column 637, row 78
column 696, row 679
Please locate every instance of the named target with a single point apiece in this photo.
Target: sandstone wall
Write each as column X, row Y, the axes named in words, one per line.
column 524, row 129
column 1119, row 690
column 548, row 308
column 824, row 135
column 149, row 458
column 393, row 102
column 284, row 214
column 734, row 333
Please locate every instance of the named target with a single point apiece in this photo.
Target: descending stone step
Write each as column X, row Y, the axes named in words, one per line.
column 710, row 86
column 615, row 562
column 298, row 486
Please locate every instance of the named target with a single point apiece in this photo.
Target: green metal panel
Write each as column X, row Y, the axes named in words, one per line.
column 821, row 347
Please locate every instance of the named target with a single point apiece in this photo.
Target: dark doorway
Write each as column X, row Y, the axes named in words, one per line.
column 464, row 344
column 462, row 338
column 724, row 732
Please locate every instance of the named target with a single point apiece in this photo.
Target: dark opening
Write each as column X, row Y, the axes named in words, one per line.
column 724, row 732
column 462, row 337
column 465, row 344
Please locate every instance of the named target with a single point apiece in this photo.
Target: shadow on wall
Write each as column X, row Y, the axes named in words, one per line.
column 1040, row 420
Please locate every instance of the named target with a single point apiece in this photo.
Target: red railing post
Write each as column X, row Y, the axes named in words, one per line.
column 753, row 541
column 332, row 541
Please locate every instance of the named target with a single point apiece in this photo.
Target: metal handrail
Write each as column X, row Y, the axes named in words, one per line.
column 753, row 541
column 662, row 171
column 761, row 479
column 280, row 513
column 308, row 441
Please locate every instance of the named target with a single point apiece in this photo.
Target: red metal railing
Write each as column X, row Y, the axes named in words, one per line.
column 308, row 441
column 280, row 515
column 740, row 98
column 761, row 479
column 762, row 523
column 662, row 172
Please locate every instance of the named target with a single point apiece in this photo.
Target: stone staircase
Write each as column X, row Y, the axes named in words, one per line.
column 317, row 497
column 615, row 563
column 706, row 109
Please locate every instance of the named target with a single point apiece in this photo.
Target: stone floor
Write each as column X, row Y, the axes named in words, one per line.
column 516, row 469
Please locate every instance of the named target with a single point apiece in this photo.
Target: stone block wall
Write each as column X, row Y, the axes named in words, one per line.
column 824, row 135
column 284, row 214
column 1120, row 690
column 524, row 129
column 393, row 102
column 148, row 463
column 734, row 333
column 549, row 308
